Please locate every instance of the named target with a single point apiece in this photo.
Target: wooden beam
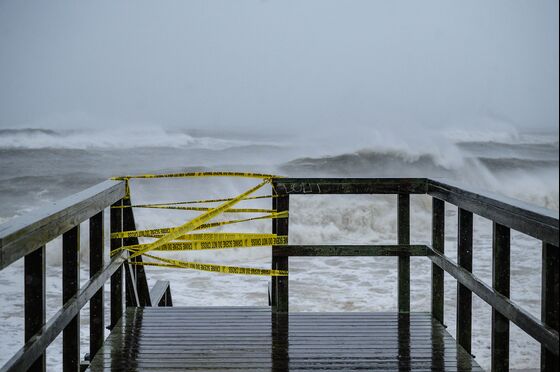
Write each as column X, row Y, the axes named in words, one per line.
column 350, row 185
column 159, row 293
column 35, row 300
column 37, row 344
column 464, row 295
column 24, row 234
column 70, row 286
column 403, row 234
column 550, row 303
column 117, row 277
column 139, row 274
column 438, row 244
column 535, row 328
column 540, row 223
column 280, row 291
column 500, row 283
column 97, row 303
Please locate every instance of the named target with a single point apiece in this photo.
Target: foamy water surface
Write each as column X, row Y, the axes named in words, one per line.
column 316, row 284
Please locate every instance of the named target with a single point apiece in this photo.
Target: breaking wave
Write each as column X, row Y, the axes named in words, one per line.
column 113, row 138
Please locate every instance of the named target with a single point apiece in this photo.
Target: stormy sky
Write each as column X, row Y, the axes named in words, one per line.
column 273, row 64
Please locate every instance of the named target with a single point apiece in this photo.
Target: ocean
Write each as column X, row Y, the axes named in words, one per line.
column 40, row 166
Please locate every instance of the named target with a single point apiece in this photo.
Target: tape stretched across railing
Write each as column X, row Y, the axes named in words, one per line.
column 157, row 233
column 199, row 174
column 211, row 267
column 181, row 238
column 240, row 241
column 193, row 202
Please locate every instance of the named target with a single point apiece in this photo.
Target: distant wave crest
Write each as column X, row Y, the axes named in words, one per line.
column 30, row 138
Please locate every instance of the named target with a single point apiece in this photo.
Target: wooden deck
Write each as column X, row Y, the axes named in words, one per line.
column 253, row 339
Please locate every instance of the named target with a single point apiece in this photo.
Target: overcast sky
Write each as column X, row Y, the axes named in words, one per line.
column 270, row 64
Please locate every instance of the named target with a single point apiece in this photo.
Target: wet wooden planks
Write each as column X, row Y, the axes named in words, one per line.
column 254, row 339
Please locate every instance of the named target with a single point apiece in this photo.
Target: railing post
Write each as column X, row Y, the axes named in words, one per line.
column 140, row 285
column 116, row 278
column 500, row 283
column 550, row 301
column 70, row 286
column 280, row 292
column 35, row 299
column 96, row 312
column 438, row 244
column 403, row 232
column 464, row 295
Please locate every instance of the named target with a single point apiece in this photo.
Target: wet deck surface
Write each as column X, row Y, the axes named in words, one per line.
column 252, row 339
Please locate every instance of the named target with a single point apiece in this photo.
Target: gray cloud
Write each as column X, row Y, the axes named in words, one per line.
column 279, row 64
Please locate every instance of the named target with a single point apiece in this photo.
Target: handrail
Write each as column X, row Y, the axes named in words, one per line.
column 513, row 312
column 540, row 223
column 505, row 213
column 36, row 346
column 26, row 237
column 23, row 235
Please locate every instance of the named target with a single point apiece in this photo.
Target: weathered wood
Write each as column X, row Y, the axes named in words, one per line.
column 35, row 300
column 351, row 250
column 350, row 185
column 96, row 305
column 500, row 283
column 464, row 295
column 71, row 308
column 117, row 278
column 160, row 295
column 280, row 291
column 550, row 304
column 70, row 286
column 540, row 223
column 438, row 244
column 257, row 339
column 403, row 237
column 523, row 319
column 24, row 234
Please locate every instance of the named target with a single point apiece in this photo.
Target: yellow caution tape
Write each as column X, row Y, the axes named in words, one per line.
column 224, row 236
column 211, row 267
column 198, row 245
column 202, row 209
column 283, row 214
column 195, row 202
column 157, row 233
column 196, row 222
column 181, row 238
column 200, row 174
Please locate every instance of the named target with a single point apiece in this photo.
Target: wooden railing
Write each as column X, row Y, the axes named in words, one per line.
column 26, row 237
column 504, row 213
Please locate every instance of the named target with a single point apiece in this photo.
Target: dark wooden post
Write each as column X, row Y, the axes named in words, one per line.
column 280, row 293
column 70, row 286
column 550, row 301
column 500, row 282
column 96, row 312
column 403, row 232
column 35, row 299
column 438, row 244
column 464, row 295
column 131, row 293
column 116, row 278
column 137, row 286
